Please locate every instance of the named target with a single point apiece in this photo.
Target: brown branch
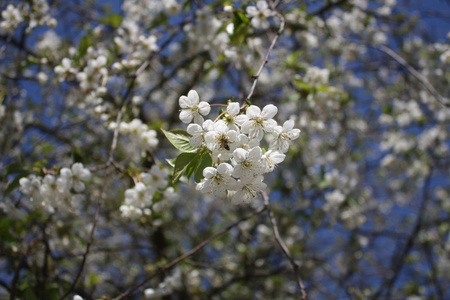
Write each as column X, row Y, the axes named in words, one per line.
column 266, row 57
column 398, row 259
column 88, row 245
column 20, row 266
column 191, row 252
column 283, row 246
column 413, row 72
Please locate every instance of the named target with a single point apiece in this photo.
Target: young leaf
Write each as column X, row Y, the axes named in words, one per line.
column 171, row 161
column 182, row 163
column 179, row 138
column 14, row 183
column 205, row 161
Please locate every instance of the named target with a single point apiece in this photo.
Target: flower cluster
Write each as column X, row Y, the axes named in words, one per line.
column 140, row 198
column 139, row 132
column 165, row 288
column 11, row 18
column 259, row 14
column 54, row 193
column 233, row 141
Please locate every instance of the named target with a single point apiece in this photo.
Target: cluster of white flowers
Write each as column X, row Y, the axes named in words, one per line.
column 11, row 18
column 56, row 193
column 233, row 142
column 39, row 14
column 259, row 14
column 205, row 34
column 140, row 198
column 133, row 44
column 139, row 133
column 166, row 287
column 92, row 75
column 316, row 76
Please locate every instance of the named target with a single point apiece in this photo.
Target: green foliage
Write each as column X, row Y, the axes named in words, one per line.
column 112, row 19
column 192, row 161
column 179, row 138
column 20, row 171
column 241, row 27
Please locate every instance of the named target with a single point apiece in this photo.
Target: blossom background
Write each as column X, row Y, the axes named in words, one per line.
column 88, row 205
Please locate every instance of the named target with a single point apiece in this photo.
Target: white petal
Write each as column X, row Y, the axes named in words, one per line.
column 269, row 125
column 241, row 119
column 193, row 96
column 224, row 169
column 251, row 10
column 208, row 125
column 288, row 125
column 245, row 128
column 294, row 134
column 204, row 108
column 194, row 128
column 196, row 141
column 184, row 102
column 210, row 137
column 198, row 119
column 209, row 172
column 239, row 155
column 253, row 111
column 269, row 111
column 186, row 116
column 255, row 153
column 233, row 109
column 262, row 5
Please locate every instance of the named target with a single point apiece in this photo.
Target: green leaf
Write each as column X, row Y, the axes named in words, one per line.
column 179, row 138
column 15, row 168
column 241, row 26
column 14, row 183
column 171, row 161
column 300, row 84
column 30, row 295
column 112, row 19
column 205, row 161
column 182, row 164
column 85, row 43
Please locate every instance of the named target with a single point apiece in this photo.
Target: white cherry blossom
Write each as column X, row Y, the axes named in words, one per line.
column 259, row 14
column 259, row 121
column 282, row 136
column 221, row 140
column 79, row 174
column 272, row 158
column 192, row 108
column 217, row 181
column 247, row 163
column 248, row 190
column 198, row 132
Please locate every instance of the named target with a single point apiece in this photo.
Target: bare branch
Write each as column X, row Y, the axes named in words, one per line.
column 266, row 57
column 191, row 252
column 283, row 246
column 413, row 72
column 88, row 245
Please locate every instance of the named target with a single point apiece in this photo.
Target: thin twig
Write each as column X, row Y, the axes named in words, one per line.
column 88, row 245
column 22, row 263
column 398, row 259
column 191, row 252
column 266, row 57
column 283, row 246
column 413, row 72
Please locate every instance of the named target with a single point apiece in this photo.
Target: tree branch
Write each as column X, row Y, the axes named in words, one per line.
column 412, row 71
column 283, row 246
column 191, row 252
column 266, row 57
